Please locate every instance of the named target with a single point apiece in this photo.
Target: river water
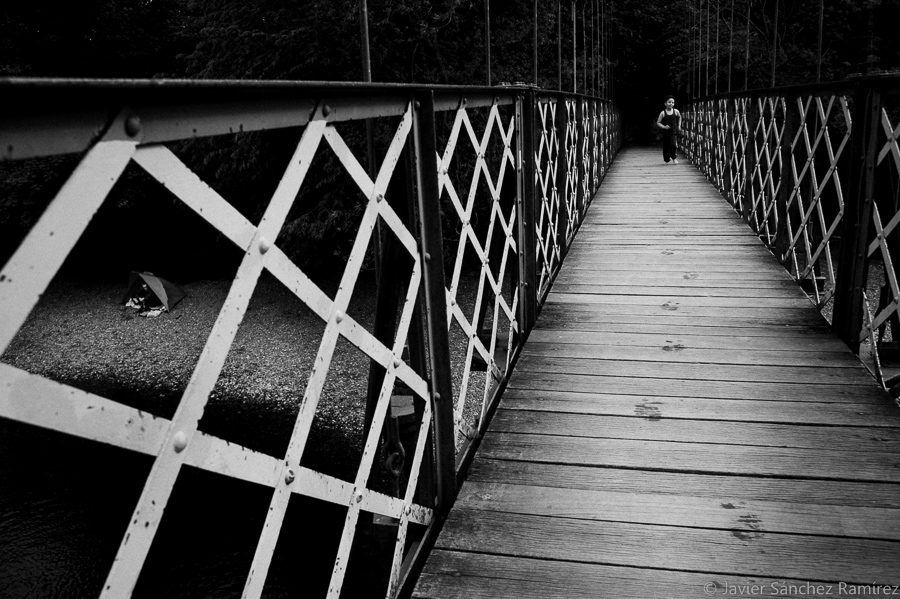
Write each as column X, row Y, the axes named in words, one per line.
column 65, row 502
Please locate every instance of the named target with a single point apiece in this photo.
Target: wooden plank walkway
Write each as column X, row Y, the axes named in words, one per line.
column 682, row 423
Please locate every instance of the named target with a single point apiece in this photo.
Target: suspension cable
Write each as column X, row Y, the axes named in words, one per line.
column 574, row 53
column 559, row 44
column 747, row 50
column 487, row 39
column 706, row 82
column 718, row 6
column 730, row 44
column 535, row 42
column 774, row 44
column 819, row 50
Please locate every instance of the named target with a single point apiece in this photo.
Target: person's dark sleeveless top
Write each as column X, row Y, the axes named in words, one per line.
column 672, row 121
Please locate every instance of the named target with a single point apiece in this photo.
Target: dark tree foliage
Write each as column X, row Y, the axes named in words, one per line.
column 650, row 48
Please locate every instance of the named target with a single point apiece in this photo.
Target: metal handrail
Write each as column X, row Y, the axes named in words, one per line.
column 529, row 160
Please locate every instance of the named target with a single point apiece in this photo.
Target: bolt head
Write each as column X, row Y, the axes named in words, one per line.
column 179, row 442
column 133, row 126
column 338, row 316
column 264, row 245
column 326, row 110
column 289, row 477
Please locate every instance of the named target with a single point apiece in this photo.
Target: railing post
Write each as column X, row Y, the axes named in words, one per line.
column 847, row 317
column 562, row 175
column 525, row 204
column 435, row 299
column 785, row 177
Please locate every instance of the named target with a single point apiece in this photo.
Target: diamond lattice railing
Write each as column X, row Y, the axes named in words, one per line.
column 376, row 317
column 585, row 153
column 546, row 166
column 482, row 304
column 815, row 206
column 737, row 161
column 768, row 170
column 721, row 135
column 179, row 442
column 882, row 250
column 572, row 178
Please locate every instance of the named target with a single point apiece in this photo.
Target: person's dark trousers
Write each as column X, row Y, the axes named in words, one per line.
column 668, row 144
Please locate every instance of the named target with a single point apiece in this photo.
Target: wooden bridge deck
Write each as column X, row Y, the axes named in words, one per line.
column 682, row 423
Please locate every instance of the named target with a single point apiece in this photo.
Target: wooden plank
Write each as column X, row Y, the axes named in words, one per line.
column 568, row 424
column 803, row 557
column 870, row 414
column 740, row 488
column 626, row 324
column 781, row 303
column 672, row 313
column 710, row 457
column 540, row 381
column 673, row 352
column 696, row 340
column 659, row 280
column 723, row 512
column 465, row 575
column 743, row 292
column 653, row 268
column 853, row 375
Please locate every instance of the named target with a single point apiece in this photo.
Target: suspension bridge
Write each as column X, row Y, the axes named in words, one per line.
column 587, row 373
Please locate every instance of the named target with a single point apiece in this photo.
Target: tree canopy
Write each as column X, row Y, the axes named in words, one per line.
column 633, row 51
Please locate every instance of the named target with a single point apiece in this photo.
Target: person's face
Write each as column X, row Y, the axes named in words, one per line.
column 670, row 103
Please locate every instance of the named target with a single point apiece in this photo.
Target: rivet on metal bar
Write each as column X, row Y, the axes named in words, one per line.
column 326, row 110
column 338, row 316
column 179, row 442
column 263, row 245
column 289, row 477
column 133, row 126
column 397, row 362
column 379, row 198
column 359, row 497
column 427, row 256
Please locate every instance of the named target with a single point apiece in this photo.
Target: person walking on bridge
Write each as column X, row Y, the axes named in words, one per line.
column 669, row 121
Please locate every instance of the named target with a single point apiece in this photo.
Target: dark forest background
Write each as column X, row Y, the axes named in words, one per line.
column 650, row 48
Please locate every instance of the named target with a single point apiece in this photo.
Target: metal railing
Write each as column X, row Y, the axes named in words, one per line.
column 467, row 216
column 814, row 171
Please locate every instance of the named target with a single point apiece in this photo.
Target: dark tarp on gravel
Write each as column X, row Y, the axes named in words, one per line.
column 167, row 292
